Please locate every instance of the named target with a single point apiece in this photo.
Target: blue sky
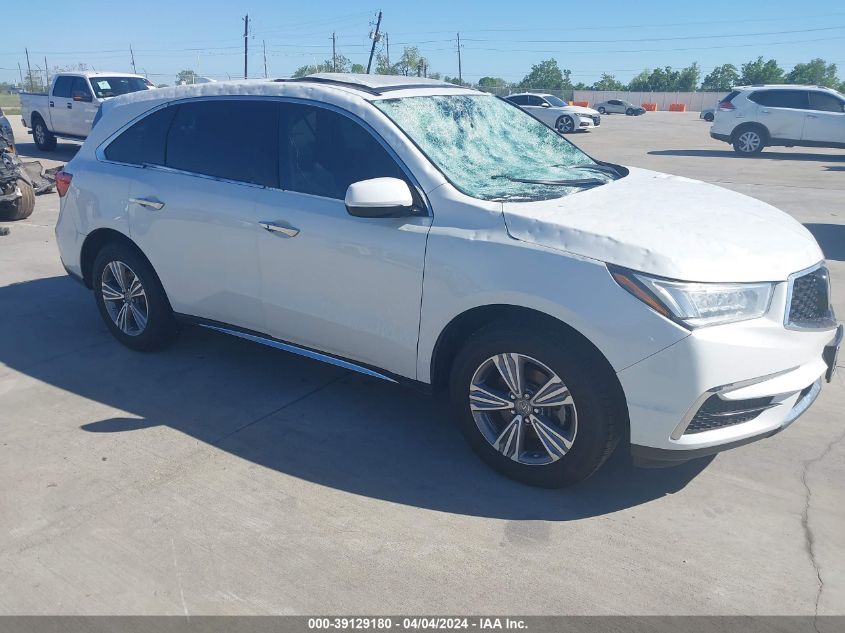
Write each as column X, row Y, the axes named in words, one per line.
column 499, row 38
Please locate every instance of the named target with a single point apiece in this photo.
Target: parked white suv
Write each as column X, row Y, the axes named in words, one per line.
column 556, row 113
column 753, row 117
column 421, row 232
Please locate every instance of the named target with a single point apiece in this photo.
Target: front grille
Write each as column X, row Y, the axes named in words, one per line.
column 716, row 413
column 809, row 303
column 596, row 120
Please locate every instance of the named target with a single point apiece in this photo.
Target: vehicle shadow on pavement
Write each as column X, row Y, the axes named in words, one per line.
column 63, row 152
column 768, row 155
column 292, row 415
column 831, row 239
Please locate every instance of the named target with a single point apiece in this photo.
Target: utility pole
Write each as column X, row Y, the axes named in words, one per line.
column 334, row 52
column 20, row 72
column 375, row 39
column 29, row 70
column 132, row 54
column 47, row 71
column 246, row 44
column 264, row 44
column 387, row 47
column 460, row 73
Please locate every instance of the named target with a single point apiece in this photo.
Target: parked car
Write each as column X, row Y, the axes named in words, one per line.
column 753, row 117
column 708, row 114
column 556, row 113
column 17, row 196
column 420, row 232
column 69, row 108
column 6, row 130
column 618, row 106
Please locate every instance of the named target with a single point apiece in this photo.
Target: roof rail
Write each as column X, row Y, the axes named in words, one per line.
column 363, row 87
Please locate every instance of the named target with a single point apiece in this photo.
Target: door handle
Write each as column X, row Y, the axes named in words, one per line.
column 51, row 105
column 150, row 204
column 765, row 111
column 273, row 227
column 812, row 116
column 69, row 106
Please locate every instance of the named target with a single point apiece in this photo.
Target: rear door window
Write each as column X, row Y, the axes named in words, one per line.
column 143, row 143
column 792, row 99
column 825, row 102
column 228, row 138
column 62, row 87
column 323, row 152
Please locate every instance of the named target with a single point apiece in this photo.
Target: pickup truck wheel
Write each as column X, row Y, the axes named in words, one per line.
column 131, row 300
column 22, row 207
column 534, row 405
column 44, row 140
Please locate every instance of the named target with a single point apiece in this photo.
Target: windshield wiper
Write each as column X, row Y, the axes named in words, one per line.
column 605, row 169
column 572, row 182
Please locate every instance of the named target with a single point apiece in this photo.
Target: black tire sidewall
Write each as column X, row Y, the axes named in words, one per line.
column 629, row 112
column 49, row 140
column 597, row 433
column 602, row 111
column 161, row 324
column 22, row 208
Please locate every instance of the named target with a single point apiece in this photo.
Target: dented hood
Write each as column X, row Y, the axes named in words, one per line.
column 671, row 227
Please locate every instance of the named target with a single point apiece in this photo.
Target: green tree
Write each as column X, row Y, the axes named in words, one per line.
column 816, row 72
column 491, row 82
column 546, row 75
column 456, row 81
column 722, row 77
column 358, row 68
column 688, row 78
column 339, row 64
column 410, row 62
column 640, row 82
column 382, row 67
column 759, row 72
column 186, row 77
column 607, row 82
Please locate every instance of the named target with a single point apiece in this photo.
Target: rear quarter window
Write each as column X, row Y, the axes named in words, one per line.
column 144, row 142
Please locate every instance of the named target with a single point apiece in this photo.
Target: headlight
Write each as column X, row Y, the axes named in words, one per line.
column 697, row 304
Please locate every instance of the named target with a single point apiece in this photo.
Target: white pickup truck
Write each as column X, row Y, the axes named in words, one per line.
column 68, row 110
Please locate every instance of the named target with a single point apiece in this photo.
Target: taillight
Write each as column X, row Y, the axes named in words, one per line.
column 63, row 182
column 725, row 106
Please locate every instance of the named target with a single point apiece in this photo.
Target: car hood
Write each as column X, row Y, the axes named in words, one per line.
column 579, row 110
column 671, row 227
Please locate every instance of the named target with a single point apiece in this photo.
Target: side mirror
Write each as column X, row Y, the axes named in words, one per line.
column 379, row 198
column 546, row 105
column 83, row 97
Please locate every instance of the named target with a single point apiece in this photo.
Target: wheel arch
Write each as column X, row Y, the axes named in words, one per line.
column 739, row 129
column 464, row 325
column 95, row 241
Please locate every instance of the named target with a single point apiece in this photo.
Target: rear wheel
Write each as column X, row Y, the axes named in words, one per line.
column 749, row 141
column 534, row 405
column 44, row 140
column 565, row 124
column 709, row 117
column 602, row 110
column 131, row 300
column 22, row 207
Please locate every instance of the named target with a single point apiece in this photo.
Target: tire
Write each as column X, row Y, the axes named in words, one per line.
column 709, row 117
column 148, row 323
column 749, row 141
column 44, row 139
column 22, row 208
column 565, row 124
column 602, row 110
column 592, row 423
column 630, row 111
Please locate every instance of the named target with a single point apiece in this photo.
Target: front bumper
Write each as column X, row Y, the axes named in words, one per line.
column 760, row 376
column 720, row 137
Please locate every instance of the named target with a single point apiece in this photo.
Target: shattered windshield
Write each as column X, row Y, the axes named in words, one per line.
column 492, row 150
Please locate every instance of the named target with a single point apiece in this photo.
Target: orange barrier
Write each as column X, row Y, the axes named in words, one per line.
column 677, row 107
column 649, row 107
column 583, row 104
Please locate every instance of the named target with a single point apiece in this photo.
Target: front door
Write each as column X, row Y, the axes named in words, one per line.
column 61, row 105
column 84, row 108
column 825, row 119
column 782, row 112
column 333, row 282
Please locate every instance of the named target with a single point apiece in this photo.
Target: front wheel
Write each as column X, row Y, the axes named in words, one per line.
column 602, row 110
column 749, row 142
column 131, row 300
column 630, row 111
column 22, row 207
column 535, row 406
column 565, row 124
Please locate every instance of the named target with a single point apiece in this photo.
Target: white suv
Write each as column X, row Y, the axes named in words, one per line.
column 421, row 232
column 752, row 117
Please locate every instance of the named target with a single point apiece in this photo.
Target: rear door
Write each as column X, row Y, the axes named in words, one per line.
column 61, row 105
column 782, row 112
column 825, row 118
column 192, row 207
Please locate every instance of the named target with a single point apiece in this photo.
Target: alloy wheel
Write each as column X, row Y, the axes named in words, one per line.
column 125, row 298
column 565, row 124
column 523, row 409
column 40, row 135
column 749, row 142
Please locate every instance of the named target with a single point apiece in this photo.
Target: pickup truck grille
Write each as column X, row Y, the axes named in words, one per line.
column 809, row 301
